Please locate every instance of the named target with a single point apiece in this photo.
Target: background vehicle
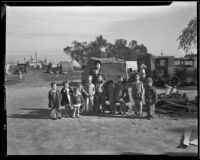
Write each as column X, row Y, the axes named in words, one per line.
column 174, row 71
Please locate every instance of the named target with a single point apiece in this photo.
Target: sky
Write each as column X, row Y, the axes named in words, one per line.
column 49, row 29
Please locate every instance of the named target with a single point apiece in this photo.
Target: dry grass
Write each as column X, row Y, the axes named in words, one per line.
column 30, row 131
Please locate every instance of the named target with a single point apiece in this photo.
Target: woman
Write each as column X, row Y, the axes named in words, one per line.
column 96, row 71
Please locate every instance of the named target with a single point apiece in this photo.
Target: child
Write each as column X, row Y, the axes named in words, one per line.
column 77, row 101
column 138, row 94
column 54, row 98
column 89, row 91
column 20, row 75
column 81, row 90
column 142, row 72
column 99, row 95
column 150, row 98
column 110, row 95
column 120, row 94
column 66, row 93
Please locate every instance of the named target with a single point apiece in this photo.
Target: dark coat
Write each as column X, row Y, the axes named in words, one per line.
column 94, row 75
column 150, row 94
column 137, row 90
column 121, row 92
column 76, row 99
column 54, row 102
column 65, row 100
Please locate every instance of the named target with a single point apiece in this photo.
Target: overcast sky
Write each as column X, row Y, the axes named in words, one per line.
column 49, row 29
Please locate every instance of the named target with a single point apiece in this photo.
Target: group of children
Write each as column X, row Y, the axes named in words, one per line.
column 90, row 98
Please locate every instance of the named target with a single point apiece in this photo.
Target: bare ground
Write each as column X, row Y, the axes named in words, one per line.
column 31, row 132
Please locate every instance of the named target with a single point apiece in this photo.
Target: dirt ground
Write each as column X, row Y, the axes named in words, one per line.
column 31, row 132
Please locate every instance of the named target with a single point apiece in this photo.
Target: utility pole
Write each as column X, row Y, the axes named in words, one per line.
column 36, row 58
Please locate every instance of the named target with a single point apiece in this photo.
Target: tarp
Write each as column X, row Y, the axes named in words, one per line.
column 111, row 68
column 66, row 66
column 107, row 60
column 76, row 64
column 131, row 65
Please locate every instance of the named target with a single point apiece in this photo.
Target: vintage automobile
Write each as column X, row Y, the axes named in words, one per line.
column 174, row 71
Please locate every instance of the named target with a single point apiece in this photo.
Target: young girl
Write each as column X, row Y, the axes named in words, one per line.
column 99, row 95
column 89, row 91
column 77, row 101
column 120, row 95
column 138, row 94
column 54, row 98
column 150, row 98
column 66, row 93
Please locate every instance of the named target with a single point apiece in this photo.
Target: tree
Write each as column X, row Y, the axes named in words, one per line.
column 188, row 38
column 97, row 48
column 110, row 50
column 100, row 41
column 120, row 49
column 132, row 44
column 120, row 43
column 140, row 49
column 67, row 49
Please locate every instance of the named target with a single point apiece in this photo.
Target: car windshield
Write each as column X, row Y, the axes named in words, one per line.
column 162, row 62
column 189, row 63
column 177, row 62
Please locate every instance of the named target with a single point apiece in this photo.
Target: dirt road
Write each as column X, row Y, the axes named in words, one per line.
column 30, row 131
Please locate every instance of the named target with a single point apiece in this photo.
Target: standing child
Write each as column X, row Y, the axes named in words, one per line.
column 89, row 90
column 138, row 94
column 20, row 75
column 99, row 95
column 66, row 93
column 150, row 98
column 77, row 101
column 120, row 95
column 54, row 98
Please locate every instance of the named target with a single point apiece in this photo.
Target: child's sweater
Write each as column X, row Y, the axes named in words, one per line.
column 77, row 99
column 150, row 94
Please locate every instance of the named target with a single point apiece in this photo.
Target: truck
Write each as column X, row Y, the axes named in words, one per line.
column 171, row 70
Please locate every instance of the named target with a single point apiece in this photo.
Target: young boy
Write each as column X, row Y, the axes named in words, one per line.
column 138, row 94
column 54, row 98
column 150, row 98
column 77, row 101
column 66, row 93
column 120, row 94
column 89, row 91
column 99, row 95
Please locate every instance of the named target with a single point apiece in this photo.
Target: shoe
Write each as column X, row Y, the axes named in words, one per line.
column 120, row 113
column 149, row 117
column 140, row 115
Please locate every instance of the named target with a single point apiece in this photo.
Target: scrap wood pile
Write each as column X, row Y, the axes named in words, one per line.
column 175, row 103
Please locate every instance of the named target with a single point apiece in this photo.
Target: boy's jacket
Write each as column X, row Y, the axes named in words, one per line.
column 51, row 100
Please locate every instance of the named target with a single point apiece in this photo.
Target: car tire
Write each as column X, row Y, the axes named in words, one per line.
column 175, row 81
